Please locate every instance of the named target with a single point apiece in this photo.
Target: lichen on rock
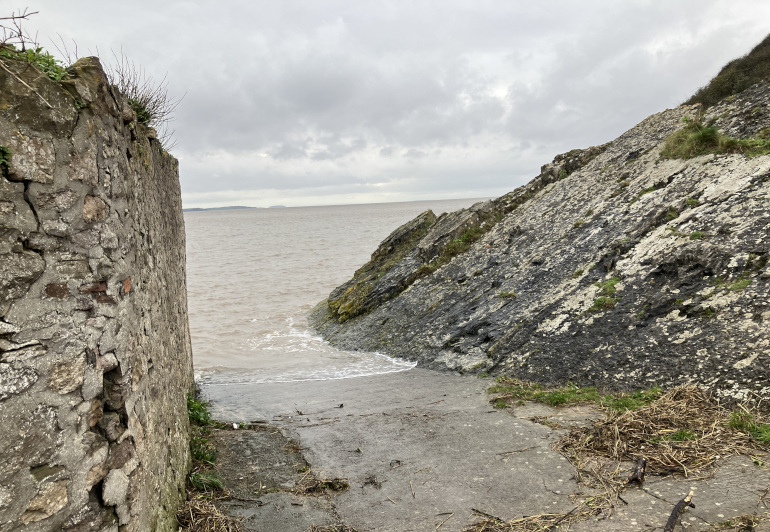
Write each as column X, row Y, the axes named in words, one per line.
column 630, row 270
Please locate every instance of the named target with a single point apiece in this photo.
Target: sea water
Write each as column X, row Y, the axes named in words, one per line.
column 253, row 275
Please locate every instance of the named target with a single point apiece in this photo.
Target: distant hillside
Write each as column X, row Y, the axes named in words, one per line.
column 736, row 76
column 195, row 209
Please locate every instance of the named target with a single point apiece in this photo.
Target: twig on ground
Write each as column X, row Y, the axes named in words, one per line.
column 444, row 521
column 676, row 513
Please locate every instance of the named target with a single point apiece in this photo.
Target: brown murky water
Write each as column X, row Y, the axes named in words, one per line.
column 253, row 275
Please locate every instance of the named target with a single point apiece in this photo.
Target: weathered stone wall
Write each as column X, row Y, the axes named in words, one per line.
column 95, row 356
column 613, row 267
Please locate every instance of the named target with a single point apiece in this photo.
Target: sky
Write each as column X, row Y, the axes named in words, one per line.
column 318, row 102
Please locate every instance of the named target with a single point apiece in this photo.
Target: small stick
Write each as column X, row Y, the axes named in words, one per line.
column 676, row 513
column 485, row 514
column 563, row 517
column 412, row 487
column 444, row 521
column 391, row 500
column 516, row 451
column 2, row 65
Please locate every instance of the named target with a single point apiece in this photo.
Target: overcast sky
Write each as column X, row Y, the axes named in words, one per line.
column 330, row 102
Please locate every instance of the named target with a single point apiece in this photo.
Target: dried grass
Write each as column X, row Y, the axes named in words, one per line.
column 684, row 431
column 202, row 515
column 310, row 485
column 744, row 523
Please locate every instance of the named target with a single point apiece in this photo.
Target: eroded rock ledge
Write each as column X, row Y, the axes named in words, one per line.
column 613, row 267
column 95, row 357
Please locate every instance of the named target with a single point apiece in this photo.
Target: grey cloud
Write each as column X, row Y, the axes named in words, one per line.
column 407, row 95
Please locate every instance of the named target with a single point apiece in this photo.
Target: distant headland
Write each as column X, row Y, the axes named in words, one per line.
column 194, row 209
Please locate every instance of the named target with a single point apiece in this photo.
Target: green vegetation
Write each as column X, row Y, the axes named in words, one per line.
column 608, row 287
column 605, row 301
column 508, row 389
column 456, row 247
column 508, row 295
column 739, row 285
column 602, row 303
column 528, row 391
column 355, row 300
column 630, row 401
column 5, row 156
column 464, row 241
column 643, row 192
column 621, row 187
column 577, row 274
column 148, row 97
column 695, row 235
column 206, row 481
column 45, row 62
column 200, row 426
column 692, row 202
column 696, row 139
column 204, row 454
column 672, row 214
column 578, row 223
column 197, row 411
column 736, row 76
column 743, row 421
column 682, row 435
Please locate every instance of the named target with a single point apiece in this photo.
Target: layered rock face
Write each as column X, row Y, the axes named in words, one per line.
column 95, row 356
column 614, row 267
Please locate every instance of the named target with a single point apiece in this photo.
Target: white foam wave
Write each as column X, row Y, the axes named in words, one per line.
column 365, row 365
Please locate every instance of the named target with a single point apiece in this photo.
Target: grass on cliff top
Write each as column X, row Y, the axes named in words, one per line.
column 696, row 139
column 736, row 76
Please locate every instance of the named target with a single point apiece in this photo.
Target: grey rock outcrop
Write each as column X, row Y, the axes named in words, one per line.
column 614, row 267
column 95, row 356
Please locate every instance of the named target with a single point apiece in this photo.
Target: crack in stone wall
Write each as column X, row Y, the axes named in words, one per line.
column 95, row 355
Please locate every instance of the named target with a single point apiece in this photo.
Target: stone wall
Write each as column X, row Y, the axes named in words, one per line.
column 95, row 355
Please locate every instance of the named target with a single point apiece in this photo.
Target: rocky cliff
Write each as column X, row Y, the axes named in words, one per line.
column 95, row 356
column 624, row 266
